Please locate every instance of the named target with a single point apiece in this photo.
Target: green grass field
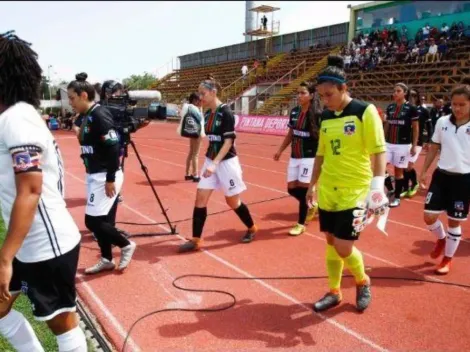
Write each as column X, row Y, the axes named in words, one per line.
column 22, row 305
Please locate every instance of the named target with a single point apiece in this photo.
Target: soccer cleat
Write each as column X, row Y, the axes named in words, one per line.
column 297, row 230
column 126, row 255
column 438, row 248
column 330, row 300
column 196, row 179
column 395, row 203
column 412, row 191
column 188, row 177
column 312, row 213
column 363, row 296
column 250, row 234
column 444, row 267
column 192, row 245
column 103, row 265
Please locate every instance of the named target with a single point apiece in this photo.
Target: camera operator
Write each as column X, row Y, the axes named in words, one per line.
column 100, row 153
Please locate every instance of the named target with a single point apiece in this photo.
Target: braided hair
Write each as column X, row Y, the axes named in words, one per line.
column 20, row 73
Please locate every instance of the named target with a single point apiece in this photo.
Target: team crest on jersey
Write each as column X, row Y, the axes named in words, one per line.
column 468, row 130
column 349, row 128
column 459, row 206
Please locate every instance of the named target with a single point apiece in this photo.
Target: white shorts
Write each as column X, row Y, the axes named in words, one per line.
column 413, row 159
column 300, row 170
column 98, row 203
column 228, row 176
column 398, row 155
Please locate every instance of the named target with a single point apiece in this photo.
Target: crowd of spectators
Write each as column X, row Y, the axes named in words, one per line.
column 391, row 45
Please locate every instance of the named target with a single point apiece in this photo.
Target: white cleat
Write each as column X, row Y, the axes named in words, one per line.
column 126, row 255
column 103, row 265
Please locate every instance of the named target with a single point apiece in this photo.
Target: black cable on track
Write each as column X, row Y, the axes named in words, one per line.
column 233, row 299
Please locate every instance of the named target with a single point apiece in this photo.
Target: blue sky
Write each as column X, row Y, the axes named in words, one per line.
column 112, row 40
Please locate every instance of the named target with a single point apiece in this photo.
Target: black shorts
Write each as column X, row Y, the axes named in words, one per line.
column 49, row 285
column 339, row 224
column 450, row 193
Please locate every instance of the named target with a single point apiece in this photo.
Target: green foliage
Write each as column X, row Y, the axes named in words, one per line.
column 136, row 82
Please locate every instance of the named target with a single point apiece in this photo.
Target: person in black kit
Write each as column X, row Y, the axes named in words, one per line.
column 436, row 113
column 424, row 124
column 100, row 153
column 222, row 169
column 450, row 185
column 303, row 138
column 401, row 126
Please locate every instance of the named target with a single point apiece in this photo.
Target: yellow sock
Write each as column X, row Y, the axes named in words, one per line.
column 355, row 264
column 334, row 267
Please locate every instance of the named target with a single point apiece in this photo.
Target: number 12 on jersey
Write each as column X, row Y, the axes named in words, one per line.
column 335, row 146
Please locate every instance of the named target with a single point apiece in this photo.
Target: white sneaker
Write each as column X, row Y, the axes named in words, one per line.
column 126, row 255
column 103, row 265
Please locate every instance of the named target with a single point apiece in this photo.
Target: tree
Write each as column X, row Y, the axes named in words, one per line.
column 136, row 82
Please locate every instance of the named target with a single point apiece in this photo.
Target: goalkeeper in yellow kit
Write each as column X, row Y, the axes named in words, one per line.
column 349, row 190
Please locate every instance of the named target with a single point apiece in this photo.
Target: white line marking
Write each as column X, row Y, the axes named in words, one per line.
column 262, row 283
column 111, row 318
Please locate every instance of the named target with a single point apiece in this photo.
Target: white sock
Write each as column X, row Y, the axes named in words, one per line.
column 438, row 229
column 17, row 330
column 452, row 241
column 72, row 341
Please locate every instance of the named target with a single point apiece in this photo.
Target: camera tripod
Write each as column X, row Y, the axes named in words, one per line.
column 128, row 141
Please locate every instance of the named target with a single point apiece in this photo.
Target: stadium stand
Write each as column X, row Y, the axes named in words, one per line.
column 404, row 56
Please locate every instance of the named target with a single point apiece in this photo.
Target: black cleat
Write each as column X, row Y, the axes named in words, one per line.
column 328, row 301
column 249, row 235
column 363, row 297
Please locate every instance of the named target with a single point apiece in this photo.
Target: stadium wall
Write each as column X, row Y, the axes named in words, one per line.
column 335, row 34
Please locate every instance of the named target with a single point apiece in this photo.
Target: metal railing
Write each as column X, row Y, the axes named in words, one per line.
column 243, row 77
column 288, row 74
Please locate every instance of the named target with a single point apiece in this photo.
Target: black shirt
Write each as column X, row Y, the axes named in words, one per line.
column 304, row 142
column 400, row 120
column 436, row 114
column 99, row 142
column 220, row 126
column 424, row 124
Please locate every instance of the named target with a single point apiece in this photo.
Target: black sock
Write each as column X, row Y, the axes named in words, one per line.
column 303, row 206
column 244, row 215
column 199, row 219
column 399, row 183
column 293, row 192
column 413, row 178
column 406, row 180
column 388, row 183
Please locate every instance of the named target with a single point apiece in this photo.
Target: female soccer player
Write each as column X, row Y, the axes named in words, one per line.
column 303, row 138
column 350, row 132
column 450, row 186
column 40, row 253
column 424, row 123
column 402, row 132
column 100, row 153
column 222, row 169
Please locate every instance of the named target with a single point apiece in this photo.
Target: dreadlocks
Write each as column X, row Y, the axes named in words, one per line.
column 20, row 73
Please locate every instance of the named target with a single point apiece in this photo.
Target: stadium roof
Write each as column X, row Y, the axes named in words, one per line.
column 265, row 8
column 369, row 4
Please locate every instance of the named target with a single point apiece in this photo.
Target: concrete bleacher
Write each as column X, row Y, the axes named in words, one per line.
column 433, row 80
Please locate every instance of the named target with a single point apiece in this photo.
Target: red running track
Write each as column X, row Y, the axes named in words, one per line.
column 269, row 314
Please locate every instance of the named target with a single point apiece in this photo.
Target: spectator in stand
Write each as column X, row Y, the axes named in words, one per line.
column 426, row 31
column 347, row 60
column 442, row 49
column 244, row 71
column 432, row 52
column 444, row 30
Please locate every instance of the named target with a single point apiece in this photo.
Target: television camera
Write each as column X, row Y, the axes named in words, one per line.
column 127, row 116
